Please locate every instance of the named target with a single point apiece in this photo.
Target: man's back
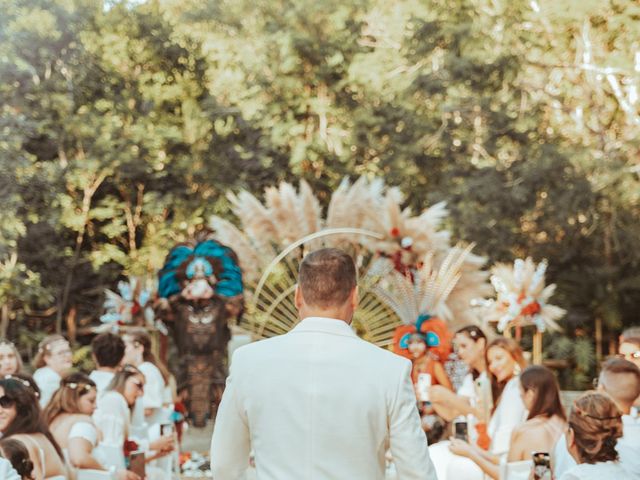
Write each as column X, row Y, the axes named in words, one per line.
column 319, row 403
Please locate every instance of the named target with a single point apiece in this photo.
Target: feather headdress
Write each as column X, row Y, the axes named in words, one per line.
column 210, row 257
column 131, row 305
column 522, row 297
column 420, row 300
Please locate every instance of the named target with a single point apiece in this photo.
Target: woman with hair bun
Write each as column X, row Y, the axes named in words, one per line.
column 16, row 452
column 595, row 425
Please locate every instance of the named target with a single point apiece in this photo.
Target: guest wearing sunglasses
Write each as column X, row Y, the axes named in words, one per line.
column 29, row 427
column 28, row 381
column 10, row 361
column 53, row 361
column 630, row 350
column 68, row 415
column 113, row 418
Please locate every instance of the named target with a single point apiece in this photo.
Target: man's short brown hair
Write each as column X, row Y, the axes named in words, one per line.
column 327, row 277
column 622, row 379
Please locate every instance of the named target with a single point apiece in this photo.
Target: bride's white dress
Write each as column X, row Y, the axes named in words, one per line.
column 509, row 413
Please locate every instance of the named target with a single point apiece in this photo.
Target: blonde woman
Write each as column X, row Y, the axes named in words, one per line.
column 10, row 361
column 53, row 361
column 68, row 415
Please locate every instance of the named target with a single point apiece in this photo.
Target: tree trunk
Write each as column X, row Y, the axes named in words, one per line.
column 4, row 320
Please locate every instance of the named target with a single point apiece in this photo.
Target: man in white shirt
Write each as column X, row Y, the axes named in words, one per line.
column 620, row 379
column 107, row 351
column 320, row 403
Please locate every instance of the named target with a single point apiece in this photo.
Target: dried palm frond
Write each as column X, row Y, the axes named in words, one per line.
column 251, row 261
column 254, row 217
column 406, row 240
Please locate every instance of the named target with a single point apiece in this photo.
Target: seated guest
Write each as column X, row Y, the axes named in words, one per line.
column 10, row 361
column 595, row 425
column 29, row 427
column 505, row 360
column 15, row 452
column 629, row 348
column 157, row 393
column 470, row 343
column 107, row 351
column 53, row 361
column 113, row 419
column 68, row 415
column 620, row 379
column 546, row 422
column 28, row 381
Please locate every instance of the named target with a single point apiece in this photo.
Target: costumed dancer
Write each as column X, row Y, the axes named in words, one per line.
column 200, row 286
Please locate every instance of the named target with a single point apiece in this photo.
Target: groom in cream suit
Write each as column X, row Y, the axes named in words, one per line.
column 319, row 403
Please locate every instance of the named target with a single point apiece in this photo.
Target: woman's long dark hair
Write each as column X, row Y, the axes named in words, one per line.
column 547, row 393
column 29, row 417
column 140, row 335
column 475, row 334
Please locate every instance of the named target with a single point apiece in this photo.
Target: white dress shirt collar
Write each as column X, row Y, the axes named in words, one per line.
column 332, row 326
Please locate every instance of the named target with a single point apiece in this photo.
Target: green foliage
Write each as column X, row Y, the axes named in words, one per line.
column 123, row 124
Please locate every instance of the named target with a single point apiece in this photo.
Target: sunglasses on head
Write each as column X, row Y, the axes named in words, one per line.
column 6, row 402
column 138, row 384
column 130, row 369
column 634, row 355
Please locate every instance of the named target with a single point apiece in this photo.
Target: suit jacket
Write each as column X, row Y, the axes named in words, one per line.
column 319, row 403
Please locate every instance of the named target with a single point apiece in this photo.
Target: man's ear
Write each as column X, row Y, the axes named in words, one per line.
column 355, row 298
column 571, row 438
column 298, row 298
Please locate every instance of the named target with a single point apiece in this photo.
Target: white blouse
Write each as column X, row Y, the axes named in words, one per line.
column 509, row 413
column 6, row 470
column 48, row 382
column 597, row 471
column 112, row 417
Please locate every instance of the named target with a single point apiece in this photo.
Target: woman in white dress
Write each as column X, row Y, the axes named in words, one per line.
column 21, row 418
column 19, row 466
column 68, row 415
column 113, row 419
column 504, row 361
column 53, row 361
column 545, row 424
column 157, row 399
column 595, row 425
column 10, row 361
column 470, row 344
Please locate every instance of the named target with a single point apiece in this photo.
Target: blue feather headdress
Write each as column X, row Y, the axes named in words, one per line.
column 212, row 257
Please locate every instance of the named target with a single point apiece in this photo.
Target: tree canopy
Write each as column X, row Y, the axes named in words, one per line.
column 124, row 123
